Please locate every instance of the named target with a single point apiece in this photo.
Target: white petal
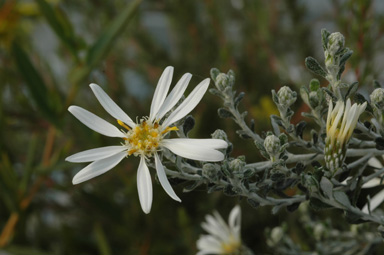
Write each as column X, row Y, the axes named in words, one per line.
column 95, row 154
column 374, row 162
column 110, row 106
column 192, row 151
column 188, row 104
column 235, row 217
column 206, row 143
column 161, row 91
column 144, row 186
column 98, row 167
column 372, row 183
column 164, row 180
column 216, row 226
column 94, row 122
column 375, row 201
column 234, row 221
column 175, row 95
column 330, row 109
column 209, row 245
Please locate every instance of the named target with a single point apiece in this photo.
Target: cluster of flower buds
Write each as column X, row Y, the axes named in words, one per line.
column 223, row 81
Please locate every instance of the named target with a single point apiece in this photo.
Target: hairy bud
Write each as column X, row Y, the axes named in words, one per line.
column 210, row 171
column 222, row 81
column 237, row 164
column 377, row 98
column 286, row 96
column 336, row 42
column 220, row 134
column 272, row 146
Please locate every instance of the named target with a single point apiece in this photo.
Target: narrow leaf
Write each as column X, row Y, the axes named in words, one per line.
column 103, row 45
column 35, row 84
column 60, row 25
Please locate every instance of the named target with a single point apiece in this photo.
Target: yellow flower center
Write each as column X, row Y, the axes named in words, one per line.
column 144, row 139
column 231, row 247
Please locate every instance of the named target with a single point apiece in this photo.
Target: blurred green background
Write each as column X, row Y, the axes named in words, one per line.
column 50, row 50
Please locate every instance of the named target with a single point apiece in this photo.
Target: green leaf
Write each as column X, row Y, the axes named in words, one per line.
column 275, row 98
column 352, row 89
column 300, row 128
column 314, row 85
column 192, row 186
column 35, row 84
column 327, row 187
column 188, row 124
column 342, row 198
column 238, row 99
column 224, row 113
column 21, row 250
column 324, row 38
column 304, row 94
column 344, row 59
column 103, row 45
column 60, row 25
column 214, row 73
column 102, row 242
column 317, row 204
column 376, row 84
column 314, row 66
column 253, row 203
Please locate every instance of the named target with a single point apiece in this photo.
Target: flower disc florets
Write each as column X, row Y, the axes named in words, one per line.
column 144, row 139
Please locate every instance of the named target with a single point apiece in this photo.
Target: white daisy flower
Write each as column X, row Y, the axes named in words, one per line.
column 341, row 122
column 147, row 137
column 223, row 239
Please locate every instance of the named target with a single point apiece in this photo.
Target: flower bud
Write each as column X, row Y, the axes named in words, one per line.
column 377, row 98
column 210, row 170
column 341, row 122
column 220, row 134
column 335, row 43
column 286, row 96
column 222, row 81
column 272, row 146
column 237, row 164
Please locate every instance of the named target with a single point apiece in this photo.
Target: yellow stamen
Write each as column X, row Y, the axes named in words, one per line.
column 168, row 129
column 145, row 138
column 123, row 125
column 131, row 152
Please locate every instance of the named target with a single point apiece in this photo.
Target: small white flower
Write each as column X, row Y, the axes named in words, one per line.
column 146, row 138
column 223, row 238
column 341, row 122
